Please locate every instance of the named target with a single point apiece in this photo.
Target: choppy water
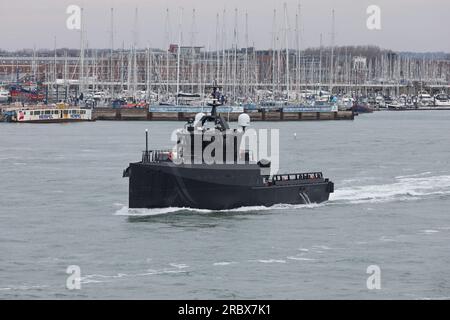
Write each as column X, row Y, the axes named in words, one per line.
column 63, row 202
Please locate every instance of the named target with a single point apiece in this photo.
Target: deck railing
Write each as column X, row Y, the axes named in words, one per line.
column 297, row 176
column 156, row 156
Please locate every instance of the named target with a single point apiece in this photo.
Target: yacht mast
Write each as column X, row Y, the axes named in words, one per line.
column 246, row 56
column 224, row 43
column 122, row 66
column 193, row 32
column 135, row 45
column 81, row 75
column 235, row 44
column 180, row 40
column 217, row 47
column 168, row 43
column 54, row 65
column 274, row 39
column 286, row 34
column 297, row 62
column 33, row 64
column 320, row 63
column 111, row 61
column 332, row 52
column 148, row 72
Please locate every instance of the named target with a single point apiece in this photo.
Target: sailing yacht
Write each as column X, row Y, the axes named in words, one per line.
column 425, row 100
column 4, row 95
column 442, row 101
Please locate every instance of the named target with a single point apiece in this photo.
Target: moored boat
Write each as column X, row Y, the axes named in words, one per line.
column 47, row 114
column 442, row 101
column 5, row 95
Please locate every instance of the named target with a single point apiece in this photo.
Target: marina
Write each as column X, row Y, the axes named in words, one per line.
column 286, row 77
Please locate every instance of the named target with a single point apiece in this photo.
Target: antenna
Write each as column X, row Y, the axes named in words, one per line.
column 146, row 141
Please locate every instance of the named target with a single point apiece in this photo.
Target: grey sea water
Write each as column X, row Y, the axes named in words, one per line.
column 63, row 202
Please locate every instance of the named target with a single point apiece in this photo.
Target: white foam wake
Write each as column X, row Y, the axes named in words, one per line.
column 411, row 187
column 125, row 211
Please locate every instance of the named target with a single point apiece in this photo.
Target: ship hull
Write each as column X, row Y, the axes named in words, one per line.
column 216, row 187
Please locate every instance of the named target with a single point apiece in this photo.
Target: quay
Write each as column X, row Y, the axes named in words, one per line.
column 137, row 114
column 143, row 114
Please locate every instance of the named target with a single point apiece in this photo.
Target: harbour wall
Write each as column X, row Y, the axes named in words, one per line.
column 144, row 114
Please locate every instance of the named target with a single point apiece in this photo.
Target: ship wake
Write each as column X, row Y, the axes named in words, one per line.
column 125, row 211
column 404, row 188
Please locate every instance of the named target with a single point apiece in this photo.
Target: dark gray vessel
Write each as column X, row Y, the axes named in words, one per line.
column 184, row 178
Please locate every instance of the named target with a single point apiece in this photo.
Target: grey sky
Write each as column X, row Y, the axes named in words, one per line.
column 407, row 25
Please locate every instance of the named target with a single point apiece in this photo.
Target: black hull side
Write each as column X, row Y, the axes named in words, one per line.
column 209, row 187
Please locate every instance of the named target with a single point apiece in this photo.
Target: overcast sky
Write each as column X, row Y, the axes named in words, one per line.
column 406, row 25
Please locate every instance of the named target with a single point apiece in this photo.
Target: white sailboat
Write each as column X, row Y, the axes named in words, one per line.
column 442, row 101
column 4, row 95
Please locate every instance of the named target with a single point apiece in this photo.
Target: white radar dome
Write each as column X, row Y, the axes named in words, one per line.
column 244, row 120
